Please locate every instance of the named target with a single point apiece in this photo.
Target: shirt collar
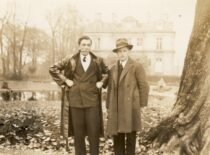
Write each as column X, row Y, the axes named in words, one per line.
column 87, row 56
column 124, row 62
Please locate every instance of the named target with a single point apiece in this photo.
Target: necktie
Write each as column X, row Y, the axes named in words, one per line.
column 120, row 68
column 84, row 59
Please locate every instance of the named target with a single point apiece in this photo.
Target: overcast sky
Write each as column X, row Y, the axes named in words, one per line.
column 180, row 12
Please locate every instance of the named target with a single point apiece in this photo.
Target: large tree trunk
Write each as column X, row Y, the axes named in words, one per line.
column 187, row 130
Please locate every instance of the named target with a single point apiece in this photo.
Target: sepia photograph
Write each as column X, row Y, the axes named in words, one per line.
column 96, row 77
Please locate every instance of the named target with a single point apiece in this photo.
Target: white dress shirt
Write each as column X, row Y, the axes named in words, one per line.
column 85, row 64
column 123, row 63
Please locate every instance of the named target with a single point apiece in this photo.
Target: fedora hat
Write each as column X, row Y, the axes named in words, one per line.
column 122, row 42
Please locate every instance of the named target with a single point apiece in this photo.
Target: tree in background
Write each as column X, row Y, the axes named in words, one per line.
column 66, row 27
column 3, row 22
column 13, row 35
column 187, row 130
column 20, row 45
column 37, row 47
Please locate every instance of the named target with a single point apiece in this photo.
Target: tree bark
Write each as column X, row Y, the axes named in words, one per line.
column 187, row 130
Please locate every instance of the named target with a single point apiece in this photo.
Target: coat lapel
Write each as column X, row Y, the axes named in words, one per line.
column 115, row 73
column 125, row 69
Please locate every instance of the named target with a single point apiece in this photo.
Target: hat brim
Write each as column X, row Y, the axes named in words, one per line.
column 128, row 46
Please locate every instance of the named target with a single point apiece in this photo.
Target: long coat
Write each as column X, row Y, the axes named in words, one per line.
column 125, row 98
column 68, row 66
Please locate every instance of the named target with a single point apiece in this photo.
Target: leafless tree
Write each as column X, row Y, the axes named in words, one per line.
column 3, row 22
column 53, row 19
column 65, row 25
column 37, row 45
column 15, row 33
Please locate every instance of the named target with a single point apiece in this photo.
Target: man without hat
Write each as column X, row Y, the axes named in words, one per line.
column 127, row 93
column 81, row 114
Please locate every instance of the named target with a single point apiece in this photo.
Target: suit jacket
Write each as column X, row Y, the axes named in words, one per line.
column 125, row 98
column 68, row 66
column 84, row 92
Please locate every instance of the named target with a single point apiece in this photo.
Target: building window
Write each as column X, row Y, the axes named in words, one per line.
column 158, row 65
column 139, row 42
column 159, row 43
column 99, row 43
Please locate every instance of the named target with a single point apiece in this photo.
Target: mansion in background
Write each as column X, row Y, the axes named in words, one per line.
column 153, row 42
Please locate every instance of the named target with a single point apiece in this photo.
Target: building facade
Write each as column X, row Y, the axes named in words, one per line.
column 153, row 42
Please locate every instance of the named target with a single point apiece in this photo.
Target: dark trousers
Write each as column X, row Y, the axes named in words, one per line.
column 125, row 143
column 86, row 121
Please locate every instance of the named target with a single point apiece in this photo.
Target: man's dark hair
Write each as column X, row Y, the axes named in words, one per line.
column 84, row 38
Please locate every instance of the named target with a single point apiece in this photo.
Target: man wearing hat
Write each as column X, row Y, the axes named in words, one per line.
column 127, row 93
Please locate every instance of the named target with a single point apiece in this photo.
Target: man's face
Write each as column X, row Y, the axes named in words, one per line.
column 85, row 46
column 122, row 53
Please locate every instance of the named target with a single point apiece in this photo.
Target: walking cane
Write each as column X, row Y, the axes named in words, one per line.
column 62, row 111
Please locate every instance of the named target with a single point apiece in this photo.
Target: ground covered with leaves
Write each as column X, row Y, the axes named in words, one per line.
column 30, row 128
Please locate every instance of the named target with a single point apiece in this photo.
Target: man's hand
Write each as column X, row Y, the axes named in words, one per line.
column 99, row 84
column 69, row 82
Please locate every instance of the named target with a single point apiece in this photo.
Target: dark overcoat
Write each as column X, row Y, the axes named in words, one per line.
column 125, row 98
column 65, row 70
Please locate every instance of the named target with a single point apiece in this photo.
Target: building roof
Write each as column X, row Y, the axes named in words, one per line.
column 127, row 24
